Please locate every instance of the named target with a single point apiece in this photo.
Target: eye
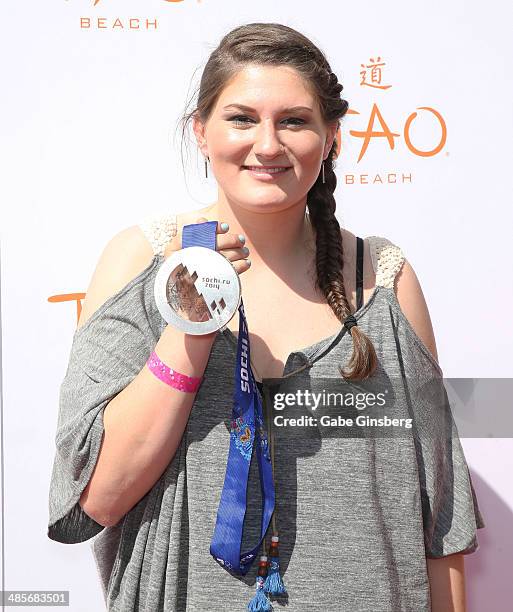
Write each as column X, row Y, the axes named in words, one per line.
column 241, row 120
column 299, row 121
column 238, row 120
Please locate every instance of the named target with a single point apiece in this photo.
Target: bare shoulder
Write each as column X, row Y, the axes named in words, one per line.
column 413, row 304
column 407, row 289
column 123, row 258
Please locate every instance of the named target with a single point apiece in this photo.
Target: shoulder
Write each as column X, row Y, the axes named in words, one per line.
column 413, row 304
column 125, row 256
column 395, row 271
column 127, row 253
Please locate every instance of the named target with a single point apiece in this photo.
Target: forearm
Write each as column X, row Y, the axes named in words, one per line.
column 143, row 426
column 447, row 583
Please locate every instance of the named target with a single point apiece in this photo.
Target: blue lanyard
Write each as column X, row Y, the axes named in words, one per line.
column 246, row 431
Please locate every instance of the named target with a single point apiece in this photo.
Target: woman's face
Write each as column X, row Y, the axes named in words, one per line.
column 266, row 131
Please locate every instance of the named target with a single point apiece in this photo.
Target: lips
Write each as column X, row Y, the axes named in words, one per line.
column 267, row 169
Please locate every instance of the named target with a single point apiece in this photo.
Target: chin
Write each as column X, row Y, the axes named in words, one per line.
column 266, row 204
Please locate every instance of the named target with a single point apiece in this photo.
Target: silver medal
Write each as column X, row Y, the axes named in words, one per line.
column 197, row 290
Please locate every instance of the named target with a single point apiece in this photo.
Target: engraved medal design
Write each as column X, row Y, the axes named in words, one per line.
column 197, row 290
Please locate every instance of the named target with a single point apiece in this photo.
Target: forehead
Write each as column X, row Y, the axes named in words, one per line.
column 258, row 86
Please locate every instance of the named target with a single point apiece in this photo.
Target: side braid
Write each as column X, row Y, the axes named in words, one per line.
column 329, row 267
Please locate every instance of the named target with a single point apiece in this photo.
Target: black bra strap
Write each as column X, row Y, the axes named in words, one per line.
column 359, row 273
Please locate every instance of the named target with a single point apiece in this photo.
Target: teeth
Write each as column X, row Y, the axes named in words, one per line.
column 267, row 170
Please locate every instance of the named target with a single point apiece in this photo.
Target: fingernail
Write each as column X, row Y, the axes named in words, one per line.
column 224, row 226
column 245, row 250
column 242, row 238
column 248, row 261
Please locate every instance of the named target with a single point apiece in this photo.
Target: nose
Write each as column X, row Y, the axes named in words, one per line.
column 267, row 141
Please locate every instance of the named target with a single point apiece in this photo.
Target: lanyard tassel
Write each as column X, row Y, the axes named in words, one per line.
column 274, row 583
column 260, row 602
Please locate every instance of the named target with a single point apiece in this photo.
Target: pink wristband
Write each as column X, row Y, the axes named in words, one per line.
column 182, row 382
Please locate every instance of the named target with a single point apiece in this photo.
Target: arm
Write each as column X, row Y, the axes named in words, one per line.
column 143, row 427
column 447, row 583
column 446, row 574
column 412, row 302
column 144, row 423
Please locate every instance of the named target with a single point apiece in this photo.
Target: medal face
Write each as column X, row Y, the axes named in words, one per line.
column 197, row 290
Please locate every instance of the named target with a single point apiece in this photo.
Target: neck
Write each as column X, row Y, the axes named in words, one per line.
column 276, row 239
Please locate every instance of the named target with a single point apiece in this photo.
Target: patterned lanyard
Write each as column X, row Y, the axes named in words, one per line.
column 246, row 431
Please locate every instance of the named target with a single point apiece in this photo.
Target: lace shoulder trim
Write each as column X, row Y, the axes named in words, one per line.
column 159, row 229
column 387, row 260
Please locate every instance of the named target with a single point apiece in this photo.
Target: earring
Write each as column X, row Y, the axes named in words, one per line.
column 323, row 177
column 206, row 166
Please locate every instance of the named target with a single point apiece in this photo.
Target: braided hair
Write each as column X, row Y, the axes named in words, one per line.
column 280, row 45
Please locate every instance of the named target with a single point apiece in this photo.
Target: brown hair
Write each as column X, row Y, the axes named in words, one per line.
column 279, row 45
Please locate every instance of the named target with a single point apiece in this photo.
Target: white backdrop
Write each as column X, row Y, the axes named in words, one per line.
column 89, row 117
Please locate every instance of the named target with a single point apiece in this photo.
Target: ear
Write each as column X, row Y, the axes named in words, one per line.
column 199, row 130
column 330, row 137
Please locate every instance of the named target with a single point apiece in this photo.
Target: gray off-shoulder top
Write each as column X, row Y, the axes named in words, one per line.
column 357, row 516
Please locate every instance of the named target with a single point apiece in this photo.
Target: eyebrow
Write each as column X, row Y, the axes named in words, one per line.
column 290, row 109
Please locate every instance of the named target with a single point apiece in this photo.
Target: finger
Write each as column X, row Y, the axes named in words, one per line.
column 222, row 227
column 241, row 265
column 235, row 254
column 230, row 241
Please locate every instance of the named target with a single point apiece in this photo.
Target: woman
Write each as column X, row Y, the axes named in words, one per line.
column 364, row 524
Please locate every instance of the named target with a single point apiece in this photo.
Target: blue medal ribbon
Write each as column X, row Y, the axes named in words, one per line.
column 246, row 431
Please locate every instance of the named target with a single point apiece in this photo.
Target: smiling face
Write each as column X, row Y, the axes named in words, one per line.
column 265, row 116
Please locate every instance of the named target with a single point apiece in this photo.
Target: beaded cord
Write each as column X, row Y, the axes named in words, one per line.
column 272, row 446
column 274, row 583
column 260, row 602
